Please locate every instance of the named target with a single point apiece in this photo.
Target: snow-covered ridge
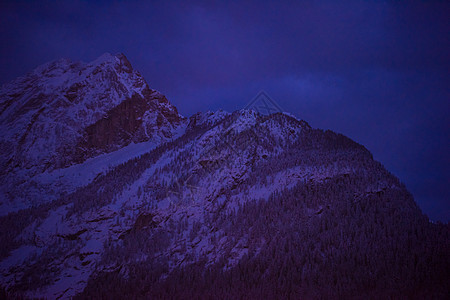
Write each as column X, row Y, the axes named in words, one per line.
column 206, row 118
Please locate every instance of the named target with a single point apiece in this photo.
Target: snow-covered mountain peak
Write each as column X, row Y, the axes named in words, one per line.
column 106, row 58
column 244, row 119
column 65, row 112
column 248, row 113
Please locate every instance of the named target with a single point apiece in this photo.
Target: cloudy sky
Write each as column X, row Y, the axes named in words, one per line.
column 375, row 71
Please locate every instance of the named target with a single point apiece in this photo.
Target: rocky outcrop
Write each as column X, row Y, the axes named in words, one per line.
column 137, row 119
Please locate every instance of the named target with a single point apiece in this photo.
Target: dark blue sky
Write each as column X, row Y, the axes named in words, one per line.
column 375, row 71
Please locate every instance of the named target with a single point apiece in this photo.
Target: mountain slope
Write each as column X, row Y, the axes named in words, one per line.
column 236, row 205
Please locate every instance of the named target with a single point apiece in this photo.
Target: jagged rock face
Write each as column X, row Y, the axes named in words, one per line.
column 68, row 111
column 137, row 119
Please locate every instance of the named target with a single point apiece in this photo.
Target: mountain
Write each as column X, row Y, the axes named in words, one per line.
column 64, row 113
column 219, row 205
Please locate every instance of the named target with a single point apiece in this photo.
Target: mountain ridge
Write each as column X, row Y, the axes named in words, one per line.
column 226, row 205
